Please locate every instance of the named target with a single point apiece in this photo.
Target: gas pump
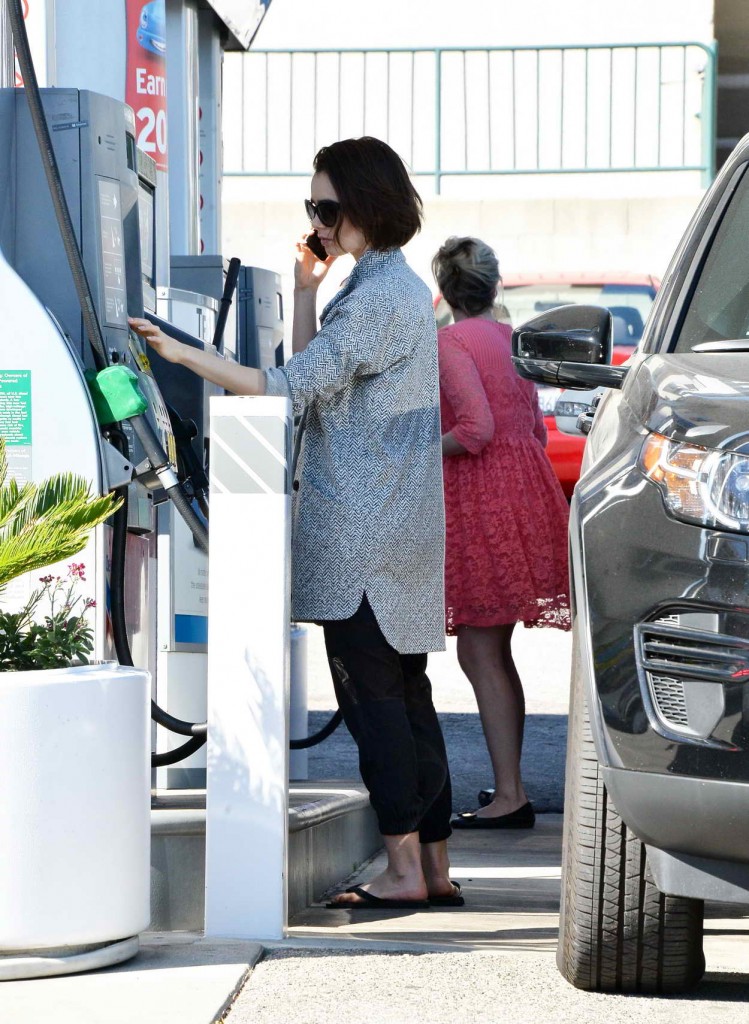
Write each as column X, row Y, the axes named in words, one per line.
column 80, row 246
column 93, row 143
column 249, row 327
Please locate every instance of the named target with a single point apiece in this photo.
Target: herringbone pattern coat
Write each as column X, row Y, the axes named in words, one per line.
column 369, row 512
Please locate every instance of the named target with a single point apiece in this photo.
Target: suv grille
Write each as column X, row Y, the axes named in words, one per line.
column 692, row 653
column 669, row 699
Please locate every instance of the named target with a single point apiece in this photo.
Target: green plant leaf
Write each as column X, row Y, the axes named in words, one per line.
column 41, row 524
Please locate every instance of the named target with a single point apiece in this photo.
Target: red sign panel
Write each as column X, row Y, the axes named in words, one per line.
column 36, row 32
column 145, row 89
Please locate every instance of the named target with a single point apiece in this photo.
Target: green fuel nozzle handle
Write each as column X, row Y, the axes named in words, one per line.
column 115, row 394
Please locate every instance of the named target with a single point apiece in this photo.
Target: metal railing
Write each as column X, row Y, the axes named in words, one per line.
column 477, row 111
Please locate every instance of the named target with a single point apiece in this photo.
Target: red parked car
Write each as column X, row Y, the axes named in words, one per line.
column 628, row 297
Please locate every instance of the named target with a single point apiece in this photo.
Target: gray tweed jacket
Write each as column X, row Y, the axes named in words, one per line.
column 369, row 514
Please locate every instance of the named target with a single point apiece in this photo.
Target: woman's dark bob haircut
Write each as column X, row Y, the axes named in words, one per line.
column 374, row 190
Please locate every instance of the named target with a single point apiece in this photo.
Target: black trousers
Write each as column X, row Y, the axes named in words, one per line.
column 386, row 701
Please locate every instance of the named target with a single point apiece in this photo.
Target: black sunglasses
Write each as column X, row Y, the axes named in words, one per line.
column 327, row 211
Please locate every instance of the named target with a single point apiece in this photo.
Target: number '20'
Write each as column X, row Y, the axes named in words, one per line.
column 152, row 135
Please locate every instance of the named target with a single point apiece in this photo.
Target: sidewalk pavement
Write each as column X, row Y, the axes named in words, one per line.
column 491, row 961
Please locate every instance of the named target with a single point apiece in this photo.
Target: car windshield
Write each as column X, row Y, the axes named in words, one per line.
column 629, row 304
column 718, row 307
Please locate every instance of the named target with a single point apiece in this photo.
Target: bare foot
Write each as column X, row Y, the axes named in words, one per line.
column 436, row 867
column 443, row 889
column 387, row 887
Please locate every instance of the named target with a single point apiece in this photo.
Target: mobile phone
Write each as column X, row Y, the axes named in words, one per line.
column 313, row 242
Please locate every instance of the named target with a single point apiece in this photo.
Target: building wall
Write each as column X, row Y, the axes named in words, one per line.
column 542, row 235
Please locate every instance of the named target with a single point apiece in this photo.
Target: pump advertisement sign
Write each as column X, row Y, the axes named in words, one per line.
column 145, row 89
column 35, row 17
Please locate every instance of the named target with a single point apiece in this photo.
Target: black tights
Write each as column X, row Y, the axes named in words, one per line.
column 386, row 701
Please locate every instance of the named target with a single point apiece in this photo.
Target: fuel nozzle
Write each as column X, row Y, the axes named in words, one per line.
column 117, row 397
column 116, row 394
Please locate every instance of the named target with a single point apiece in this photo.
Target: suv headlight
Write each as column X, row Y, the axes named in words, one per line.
column 699, row 485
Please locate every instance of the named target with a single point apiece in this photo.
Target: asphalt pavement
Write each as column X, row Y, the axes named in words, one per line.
column 542, row 763
column 490, row 962
column 542, row 657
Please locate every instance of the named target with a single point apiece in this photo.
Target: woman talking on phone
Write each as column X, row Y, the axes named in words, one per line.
column 368, row 530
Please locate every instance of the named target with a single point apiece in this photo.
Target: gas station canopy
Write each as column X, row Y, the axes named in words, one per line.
column 242, row 19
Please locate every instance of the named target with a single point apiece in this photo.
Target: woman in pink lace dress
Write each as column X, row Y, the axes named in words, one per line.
column 506, row 515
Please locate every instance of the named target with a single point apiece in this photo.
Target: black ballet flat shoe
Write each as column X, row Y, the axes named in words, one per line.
column 523, row 817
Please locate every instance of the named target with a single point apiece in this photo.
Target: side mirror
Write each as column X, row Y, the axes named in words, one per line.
column 569, row 347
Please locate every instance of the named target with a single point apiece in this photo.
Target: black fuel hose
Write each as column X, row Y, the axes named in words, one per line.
column 168, row 479
column 196, row 731
column 317, row 737
column 52, row 172
column 178, row 754
column 230, row 286
column 188, row 463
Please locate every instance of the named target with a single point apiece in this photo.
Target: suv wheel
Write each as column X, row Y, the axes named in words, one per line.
column 618, row 932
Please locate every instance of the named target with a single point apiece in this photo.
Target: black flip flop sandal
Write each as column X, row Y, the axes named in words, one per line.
column 456, row 900
column 370, row 902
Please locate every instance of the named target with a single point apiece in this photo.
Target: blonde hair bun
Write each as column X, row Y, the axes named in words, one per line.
column 467, row 273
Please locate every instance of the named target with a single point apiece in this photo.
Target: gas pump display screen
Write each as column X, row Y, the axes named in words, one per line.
column 112, row 253
column 146, row 219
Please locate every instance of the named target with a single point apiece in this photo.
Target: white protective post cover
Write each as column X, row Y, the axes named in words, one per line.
column 247, row 791
column 75, row 826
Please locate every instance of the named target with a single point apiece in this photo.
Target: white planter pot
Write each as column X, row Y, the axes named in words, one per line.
column 74, row 818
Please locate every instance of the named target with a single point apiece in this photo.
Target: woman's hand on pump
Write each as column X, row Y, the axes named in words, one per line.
column 240, row 380
column 168, row 348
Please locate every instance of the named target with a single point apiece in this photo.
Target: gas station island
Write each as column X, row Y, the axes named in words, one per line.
column 110, row 163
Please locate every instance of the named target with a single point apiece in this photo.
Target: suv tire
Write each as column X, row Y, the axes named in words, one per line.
column 617, row 931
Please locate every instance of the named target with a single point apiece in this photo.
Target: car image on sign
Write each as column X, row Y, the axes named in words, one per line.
column 152, row 27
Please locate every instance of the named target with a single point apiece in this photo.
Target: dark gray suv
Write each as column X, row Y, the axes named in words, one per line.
column 657, row 798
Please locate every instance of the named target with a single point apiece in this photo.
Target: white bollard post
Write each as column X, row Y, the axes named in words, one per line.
column 248, row 668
